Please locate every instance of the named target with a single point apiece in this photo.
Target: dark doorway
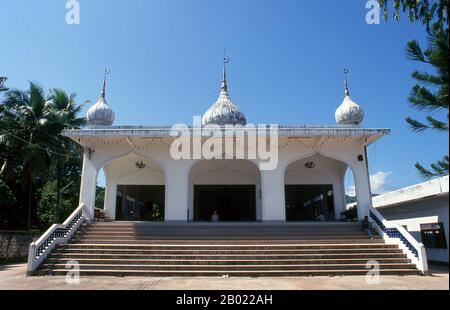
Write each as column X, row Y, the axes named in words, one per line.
column 140, row 203
column 231, row 202
column 309, row 203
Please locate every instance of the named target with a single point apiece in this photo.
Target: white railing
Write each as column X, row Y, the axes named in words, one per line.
column 393, row 233
column 57, row 234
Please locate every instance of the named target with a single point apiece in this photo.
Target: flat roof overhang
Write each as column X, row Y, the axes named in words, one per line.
column 298, row 131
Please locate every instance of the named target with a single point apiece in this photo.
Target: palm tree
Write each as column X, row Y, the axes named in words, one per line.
column 65, row 113
column 28, row 131
column 31, row 144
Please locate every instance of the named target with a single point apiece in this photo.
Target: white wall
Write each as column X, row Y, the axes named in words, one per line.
column 424, row 211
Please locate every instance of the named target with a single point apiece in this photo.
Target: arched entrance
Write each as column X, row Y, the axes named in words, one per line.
column 230, row 188
column 315, row 189
column 135, row 189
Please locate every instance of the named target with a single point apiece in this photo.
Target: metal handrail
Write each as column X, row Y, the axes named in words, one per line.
column 393, row 233
column 56, row 234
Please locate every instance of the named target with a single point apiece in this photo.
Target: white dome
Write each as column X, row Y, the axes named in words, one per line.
column 100, row 114
column 224, row 111
column 349, row 113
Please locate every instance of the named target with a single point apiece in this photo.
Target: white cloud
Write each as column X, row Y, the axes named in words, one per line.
column 378, row 180
column 377, row 183
column 351, row 191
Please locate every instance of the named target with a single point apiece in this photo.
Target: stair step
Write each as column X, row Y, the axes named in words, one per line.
column 226, row 261
column 240, row 273
column 191, row 247
column 215, row 235
column 150, row 242
column 227, row 230
column 223, row 237
column 365, row 256
column 189, row 241
column 236, row 267
column 211, row 249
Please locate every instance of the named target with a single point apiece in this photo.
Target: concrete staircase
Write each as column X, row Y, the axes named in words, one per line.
column 233, row 249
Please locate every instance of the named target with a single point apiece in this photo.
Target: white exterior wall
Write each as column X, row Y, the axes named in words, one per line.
column 424, row 203
column 271, row 206
column 428, row 211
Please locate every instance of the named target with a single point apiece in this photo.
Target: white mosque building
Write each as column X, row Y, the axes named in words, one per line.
column 145, row 183
column 277, row 192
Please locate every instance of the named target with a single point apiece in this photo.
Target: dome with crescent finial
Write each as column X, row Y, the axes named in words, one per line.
column 349, row 112
column 224, row 111
column 101, row 114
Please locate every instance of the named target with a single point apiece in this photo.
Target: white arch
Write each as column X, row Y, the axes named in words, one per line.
column 313, row 153
column 337, row 180
column 132, row 152
column 113, row 181
column 250, row 178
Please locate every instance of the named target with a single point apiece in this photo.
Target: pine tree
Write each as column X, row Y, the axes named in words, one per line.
column 432, row 13
column 430, row 94
column 2, row 81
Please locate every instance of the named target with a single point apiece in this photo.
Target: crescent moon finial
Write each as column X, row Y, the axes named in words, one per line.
column 346, row 91
column 225, row 61
column 103, row 95
column 225, row 58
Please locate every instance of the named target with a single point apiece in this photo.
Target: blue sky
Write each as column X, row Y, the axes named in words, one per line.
column 286, row 64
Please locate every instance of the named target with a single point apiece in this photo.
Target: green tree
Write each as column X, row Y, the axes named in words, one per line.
column 30, row 137
column 431, row 92
column 65, row 112
column 2, row 86
column 48, row 203
column 31, row 142
column 429, row 12
column 7, row 200
column 100, row 197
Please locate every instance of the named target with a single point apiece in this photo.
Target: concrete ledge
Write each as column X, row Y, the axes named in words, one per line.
column 429, row 189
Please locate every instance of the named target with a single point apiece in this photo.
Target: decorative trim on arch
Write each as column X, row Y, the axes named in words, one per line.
column 224, row 168
column 311, row 154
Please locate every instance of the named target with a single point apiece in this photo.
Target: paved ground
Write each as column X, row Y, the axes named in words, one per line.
column 12, row 277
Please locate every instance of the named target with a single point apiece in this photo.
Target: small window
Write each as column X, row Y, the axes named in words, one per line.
column 433, row 236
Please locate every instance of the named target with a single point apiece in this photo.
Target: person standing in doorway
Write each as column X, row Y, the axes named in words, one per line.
column 215, row 217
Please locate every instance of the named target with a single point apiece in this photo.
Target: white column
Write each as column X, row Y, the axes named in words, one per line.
column 339, row 195
column 177, row 186
column 363, row 191
column 273, row 204
column 110, row 198
column 88, row 186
